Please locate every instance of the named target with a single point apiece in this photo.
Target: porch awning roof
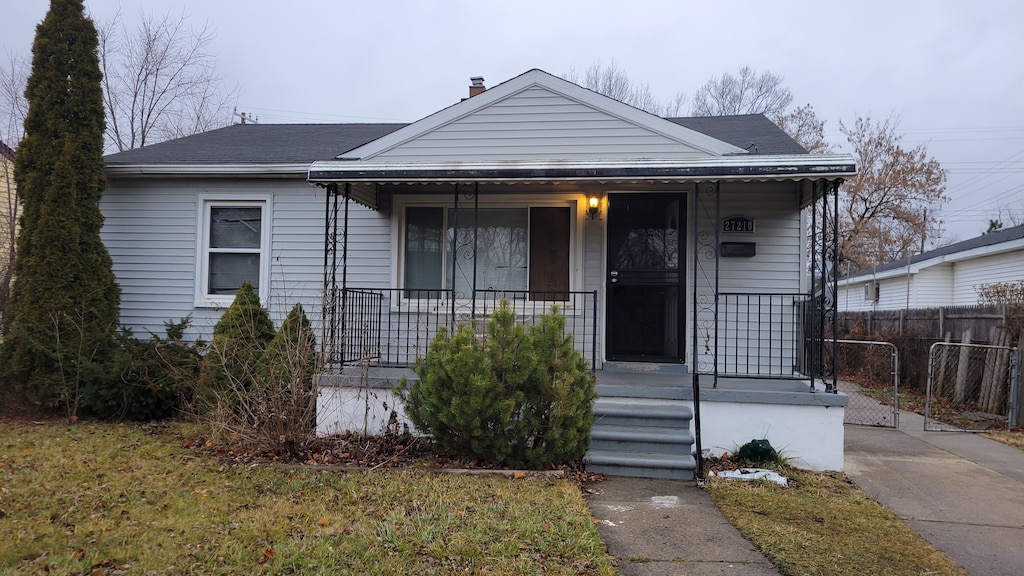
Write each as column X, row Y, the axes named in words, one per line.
column 740, row 167
column 364, row 174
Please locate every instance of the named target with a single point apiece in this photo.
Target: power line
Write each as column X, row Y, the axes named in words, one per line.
column 314, row 116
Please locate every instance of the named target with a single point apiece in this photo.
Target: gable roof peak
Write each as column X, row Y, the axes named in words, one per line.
column 533, row 78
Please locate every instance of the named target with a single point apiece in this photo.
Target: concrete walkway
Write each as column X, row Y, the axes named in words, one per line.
column 960, row 491
column 667, row 527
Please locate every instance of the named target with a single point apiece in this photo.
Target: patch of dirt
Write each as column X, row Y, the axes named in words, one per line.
column 20, row 410
column 363, row 452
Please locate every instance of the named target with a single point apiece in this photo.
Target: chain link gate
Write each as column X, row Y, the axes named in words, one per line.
column 875, row 401
column 972, row 387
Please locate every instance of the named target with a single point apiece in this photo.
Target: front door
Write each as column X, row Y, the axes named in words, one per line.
column 644, row 284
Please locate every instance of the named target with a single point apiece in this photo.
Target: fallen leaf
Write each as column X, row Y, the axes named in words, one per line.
column 324, row 522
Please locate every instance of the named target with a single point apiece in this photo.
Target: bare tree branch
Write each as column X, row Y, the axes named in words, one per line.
column 613, row 82
column 160, row 81
column 13, row 108
column 888, row 210
column 748, row 93
column 803, row 125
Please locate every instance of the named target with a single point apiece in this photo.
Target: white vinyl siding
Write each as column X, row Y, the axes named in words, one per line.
column 968, row 275
column 893, row 293
column 931, row 287
column 951, row 283
column 537, row 124
column 151, row 231
column 774, row 270
column 778, row 238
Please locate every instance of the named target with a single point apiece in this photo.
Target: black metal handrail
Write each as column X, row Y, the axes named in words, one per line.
column 393, row 326
column 762, row 335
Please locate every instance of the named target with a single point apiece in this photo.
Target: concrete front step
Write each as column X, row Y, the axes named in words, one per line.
column 648, row 412
column 645, row 368
column 641, row 465
column 641, row 437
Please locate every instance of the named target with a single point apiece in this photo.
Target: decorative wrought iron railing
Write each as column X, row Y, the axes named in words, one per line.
column 763, row 335
column 394, row 326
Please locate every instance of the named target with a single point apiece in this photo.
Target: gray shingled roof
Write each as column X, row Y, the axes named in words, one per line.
column 301, row 143
column 258, row 144
column 753, row 132
column 990, row 239
column 6, row 151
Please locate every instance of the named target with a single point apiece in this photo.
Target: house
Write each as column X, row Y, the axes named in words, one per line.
column 675, row 248
column 946, row 276
column 8, row 221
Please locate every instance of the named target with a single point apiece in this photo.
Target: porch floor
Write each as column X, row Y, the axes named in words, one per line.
column 658, row 380
column 673, row 384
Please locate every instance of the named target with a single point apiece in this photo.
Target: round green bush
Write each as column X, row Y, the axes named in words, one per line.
column 518, row 397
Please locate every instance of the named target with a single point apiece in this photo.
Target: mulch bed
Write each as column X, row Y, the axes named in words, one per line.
column 354, row 451
column 349, row 451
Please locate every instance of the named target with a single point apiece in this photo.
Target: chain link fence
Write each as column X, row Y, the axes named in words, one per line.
column 972, row 387
column 875, row 368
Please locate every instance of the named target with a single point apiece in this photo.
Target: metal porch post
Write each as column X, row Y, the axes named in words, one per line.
column 830, row 273
column 476, row 233
column 705, row 247
column 455, row 251
column 329, row 338
column 344, row 275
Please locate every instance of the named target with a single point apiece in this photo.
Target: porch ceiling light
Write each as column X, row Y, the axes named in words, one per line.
column 593, row 206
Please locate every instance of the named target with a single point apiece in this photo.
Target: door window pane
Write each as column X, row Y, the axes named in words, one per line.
column 645, row 234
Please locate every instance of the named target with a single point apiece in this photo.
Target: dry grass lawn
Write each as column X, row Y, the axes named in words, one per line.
column 824, row 525
column 1013, row 438
column 107, row 499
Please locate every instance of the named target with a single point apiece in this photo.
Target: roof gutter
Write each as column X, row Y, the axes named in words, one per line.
column 951, row 258
column 210, row 170
column 719, row 168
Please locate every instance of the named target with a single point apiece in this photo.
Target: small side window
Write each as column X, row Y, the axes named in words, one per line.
column 233, row 249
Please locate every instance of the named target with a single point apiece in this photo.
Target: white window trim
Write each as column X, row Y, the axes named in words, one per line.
column 203, row 299
column 569, row 201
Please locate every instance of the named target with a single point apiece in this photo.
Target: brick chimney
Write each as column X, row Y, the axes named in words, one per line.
column 476, row 86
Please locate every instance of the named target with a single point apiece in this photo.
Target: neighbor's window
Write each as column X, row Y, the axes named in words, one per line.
column 518, row 249
column 234, row 246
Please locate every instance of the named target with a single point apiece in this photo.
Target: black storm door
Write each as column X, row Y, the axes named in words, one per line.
column 644, row 285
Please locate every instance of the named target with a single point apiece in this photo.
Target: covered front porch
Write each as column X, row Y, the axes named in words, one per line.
column 695, row 274
column 750, row 365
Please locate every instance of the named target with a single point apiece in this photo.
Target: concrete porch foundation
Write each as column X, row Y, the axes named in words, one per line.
column 805, row 427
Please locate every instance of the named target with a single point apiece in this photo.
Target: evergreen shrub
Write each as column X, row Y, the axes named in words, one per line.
column 151, row 379
column 58, row 329
column 240, row 339
column 518, row 397
column 257, row 383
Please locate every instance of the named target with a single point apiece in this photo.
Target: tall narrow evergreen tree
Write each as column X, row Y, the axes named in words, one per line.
column 64, row 301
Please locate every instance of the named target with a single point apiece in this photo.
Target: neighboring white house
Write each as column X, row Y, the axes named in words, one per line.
column 666, row 242
column 946, row 276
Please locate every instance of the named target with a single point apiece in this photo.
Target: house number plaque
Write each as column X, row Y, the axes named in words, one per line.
column 738, row 224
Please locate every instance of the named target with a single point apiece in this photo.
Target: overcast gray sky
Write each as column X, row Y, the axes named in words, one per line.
column 951, row 69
